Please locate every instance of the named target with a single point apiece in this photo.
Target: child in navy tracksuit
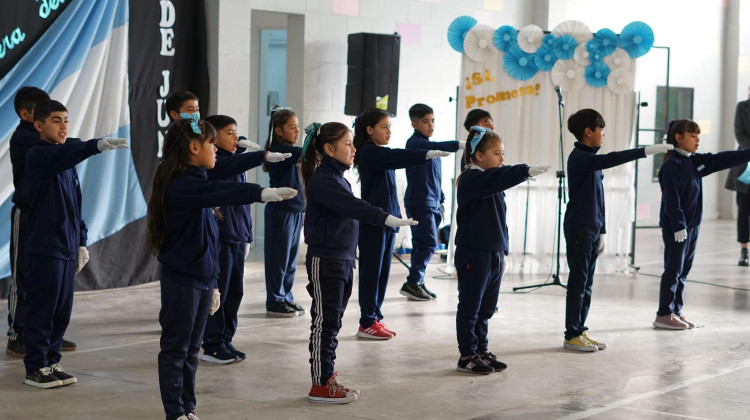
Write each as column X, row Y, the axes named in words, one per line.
column 423, row 200
column 584, row 219
column 235, row 230
column 331, row 225
column 283, row 220
column 55, row 240
column 183, row 231
column 482, row 244
column 376, row 164
column 680, row 178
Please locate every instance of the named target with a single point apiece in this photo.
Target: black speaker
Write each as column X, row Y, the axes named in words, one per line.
column 372, row 79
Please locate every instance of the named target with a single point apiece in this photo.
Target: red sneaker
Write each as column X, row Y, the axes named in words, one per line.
column 332, row 393
column 374, row 332
column 382, row 326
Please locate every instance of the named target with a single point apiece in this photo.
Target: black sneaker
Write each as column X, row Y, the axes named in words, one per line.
column 299, row 308
column 491, row 360
column 221, row 356
column 43, row 378
column 240, row 355
column 743, row 262
column 414, row 292
column 474, row 364
column 281, row 309
column 424, row 289
column 60, row 374
column 68, row 345
column 15, row 348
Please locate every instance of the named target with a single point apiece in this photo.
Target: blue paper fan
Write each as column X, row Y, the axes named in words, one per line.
column 545, row 58
column 550, row 41
column 596, row 74
column 505, row 37
column 595, row 51
column 520, row 65
column 607, row 40
column 636, row 38
column 457, row 31
column 566, row 47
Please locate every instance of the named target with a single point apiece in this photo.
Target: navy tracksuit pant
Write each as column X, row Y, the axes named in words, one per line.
column 183, row 315
column 678, row 260
column 479, row 274
column 17, row 295
column 582, row 251
column 330, row 285
column 375, row 254
column 50, row 283
column 221, row 326
column 282, row 244
column 424, row 240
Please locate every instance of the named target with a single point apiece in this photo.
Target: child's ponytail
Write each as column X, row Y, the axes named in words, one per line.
column 312, row 150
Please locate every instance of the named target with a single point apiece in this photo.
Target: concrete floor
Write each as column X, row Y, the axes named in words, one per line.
column 644, row 374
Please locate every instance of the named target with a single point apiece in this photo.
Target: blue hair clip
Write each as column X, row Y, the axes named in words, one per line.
column 195, row 117
column 312, row 130
column 477, row 137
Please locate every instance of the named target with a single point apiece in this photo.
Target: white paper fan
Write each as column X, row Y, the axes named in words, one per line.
column 574, row 28
column 620, row 81
column 619, row 60
column 478, row 44
column 581, row 55
column 569, row 75
column 530, row 38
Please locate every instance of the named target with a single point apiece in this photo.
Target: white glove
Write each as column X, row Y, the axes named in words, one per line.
column 461, row 145
column 601, row 242
column 277, row 194
column 215, row 302
column 247, row 144
column 538, row 170
column 680, row 235
column 83, row 258
column 396, row 222
column 432, row 154
column 277, row 157
column 658, row 148
column 111, row 143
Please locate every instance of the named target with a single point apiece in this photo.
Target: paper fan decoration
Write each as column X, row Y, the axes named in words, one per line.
column 568, row 75
column 581, row 55
column 620, row 81
column 545, row 58
column 607, row 40
column 636, row 38
column 505, row 37
column 574, row 28
column 566, row 47
column 457, row 31
column 530, row 38
column 596, row 74
column 478, row 44
column 519, row 65
column 619, row 60
column 549, row 41
column 594, row 49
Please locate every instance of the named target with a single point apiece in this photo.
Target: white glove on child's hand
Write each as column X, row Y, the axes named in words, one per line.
column 277, row 194
column 601, row 242
column 247, row 144
column 274, row 157
column 658, row 148
column 111, row 143
column 538, row 170
column 680, row 235
column 83, row 258
column 215, row 302
column 461, row 145
column 432, row 154
column 392, row 221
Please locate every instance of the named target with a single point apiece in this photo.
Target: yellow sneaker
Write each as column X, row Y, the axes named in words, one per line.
column 580, row 344
column 599, row 345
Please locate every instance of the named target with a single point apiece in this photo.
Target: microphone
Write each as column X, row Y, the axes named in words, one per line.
column 559, row 95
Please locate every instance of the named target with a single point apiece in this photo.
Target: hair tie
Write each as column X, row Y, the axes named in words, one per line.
column 313, row 131
column 477, row 137
column 194, row 118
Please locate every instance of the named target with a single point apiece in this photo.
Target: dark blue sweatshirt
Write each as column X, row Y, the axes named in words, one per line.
column 55, row 227
column 423, row 181
column 236, row 225
column 376, row 166
column 680, row 178
column 20, row 142
column 481, row 206
column 286, row 174
column 190, row 252
column 333, row 213
column 585, row 211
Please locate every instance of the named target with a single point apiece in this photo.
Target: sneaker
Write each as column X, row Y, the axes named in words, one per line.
column 670, row 322
column 426, row 290
column 684, row 319
column 743, row 262
column 68, row 345
column 490, row 360
column 240, row 355
column 599, row 345
column 374, row 332
column 382, row 326
column 192, row 416
column 474, row 364
column 281, row 309
column 332, row 393
column 299, row 308
column 580, row 344
column 43, row 378
column 60, row 374
column 414, row 292
column 221, row 357
column 15, row 348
